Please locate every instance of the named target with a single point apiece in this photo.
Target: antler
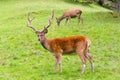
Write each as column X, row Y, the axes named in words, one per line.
column 50, row 20
column 30, row 22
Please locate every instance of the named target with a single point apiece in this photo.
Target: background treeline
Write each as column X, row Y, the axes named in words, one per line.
column 110, row 3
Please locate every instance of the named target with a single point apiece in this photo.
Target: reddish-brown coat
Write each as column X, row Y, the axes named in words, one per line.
column 66, row 45
column 60, row 46
column 70, row 14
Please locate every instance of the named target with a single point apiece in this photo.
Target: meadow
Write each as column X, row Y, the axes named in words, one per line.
column 23, row 58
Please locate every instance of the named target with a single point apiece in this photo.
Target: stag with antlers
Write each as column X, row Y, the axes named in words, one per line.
column 60, row 46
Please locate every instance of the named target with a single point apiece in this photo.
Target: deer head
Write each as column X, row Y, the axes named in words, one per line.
column 40, row 34
column 58, row 21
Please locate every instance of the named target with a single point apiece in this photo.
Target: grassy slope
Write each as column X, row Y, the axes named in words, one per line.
column 23, row 58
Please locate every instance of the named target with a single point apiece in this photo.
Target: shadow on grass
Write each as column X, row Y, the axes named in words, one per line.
column 70, row 75
column 87, row 4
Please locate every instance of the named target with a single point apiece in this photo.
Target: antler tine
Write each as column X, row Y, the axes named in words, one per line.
column 30, row 22
column 50, row 20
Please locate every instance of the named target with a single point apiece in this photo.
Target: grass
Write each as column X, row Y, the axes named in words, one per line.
column 23, row 58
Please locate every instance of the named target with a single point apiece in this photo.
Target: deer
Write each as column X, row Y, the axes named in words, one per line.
column 70, row 14
column 61, row 46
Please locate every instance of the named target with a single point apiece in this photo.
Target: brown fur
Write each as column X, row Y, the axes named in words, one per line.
column 70, row 14
column 66, row 45
column 61, row 46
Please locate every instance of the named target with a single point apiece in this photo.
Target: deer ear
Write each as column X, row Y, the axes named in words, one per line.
column 46, row 31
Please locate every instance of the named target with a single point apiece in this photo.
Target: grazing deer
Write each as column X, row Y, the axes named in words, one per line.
column 70, row 14
column 61, row 46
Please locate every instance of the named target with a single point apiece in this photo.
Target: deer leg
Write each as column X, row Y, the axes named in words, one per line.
column 81, row 55
column 66, row 20
column 78, row 19
column 89, row 57
column 69, row 18
column 58, row 62
column 83, row 63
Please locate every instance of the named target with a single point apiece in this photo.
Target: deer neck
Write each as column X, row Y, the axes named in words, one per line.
column 61, row 18
column 46, row 44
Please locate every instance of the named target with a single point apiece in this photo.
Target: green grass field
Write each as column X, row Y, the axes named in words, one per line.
column 23, row 58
